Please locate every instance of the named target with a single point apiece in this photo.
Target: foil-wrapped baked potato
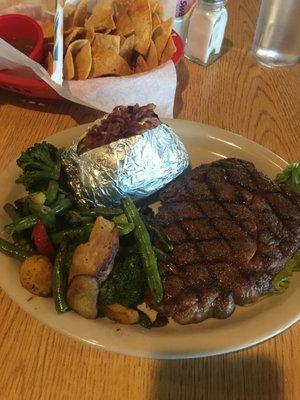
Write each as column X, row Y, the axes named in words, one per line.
column 129, row 152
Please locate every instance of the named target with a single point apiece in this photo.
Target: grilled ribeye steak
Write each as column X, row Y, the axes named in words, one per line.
column 232, row 229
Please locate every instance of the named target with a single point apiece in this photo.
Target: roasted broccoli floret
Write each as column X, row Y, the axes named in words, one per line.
column 31, row 204
column 40, row 164
column 126, row 284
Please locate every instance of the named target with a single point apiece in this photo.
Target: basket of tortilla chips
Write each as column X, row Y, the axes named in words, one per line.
column 109, row 47
column 113, row 38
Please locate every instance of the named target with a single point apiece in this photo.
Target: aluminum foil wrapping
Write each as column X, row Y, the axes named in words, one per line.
column 137, row 167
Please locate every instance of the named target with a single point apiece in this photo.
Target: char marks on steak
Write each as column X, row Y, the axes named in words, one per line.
column 232, row 229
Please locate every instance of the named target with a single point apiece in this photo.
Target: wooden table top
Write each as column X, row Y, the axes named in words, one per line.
column 36, row 363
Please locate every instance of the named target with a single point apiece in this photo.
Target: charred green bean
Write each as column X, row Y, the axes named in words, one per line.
column 145, row 248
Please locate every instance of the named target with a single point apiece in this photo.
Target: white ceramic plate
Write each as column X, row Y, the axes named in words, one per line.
column 246, row 327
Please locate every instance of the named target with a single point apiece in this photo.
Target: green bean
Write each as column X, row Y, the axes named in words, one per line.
column 146, row 251
column 69, row 255
column 14, row 251
column 71, row 233
column 161, row 255
column 60, row 280
column 29, row 221
column 49, row 220
column 23, row 224
column 123, row 225
column 120, row 219
column 102, row 212
column 61, row 205
column 74, row 218
column 12, row 212
column 161, row 237
column 125, row 229
column 52, row 191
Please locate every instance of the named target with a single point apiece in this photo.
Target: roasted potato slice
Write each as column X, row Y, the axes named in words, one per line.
column 95, row 258
column 36, row 275
column 121, row 314
column 82, row 296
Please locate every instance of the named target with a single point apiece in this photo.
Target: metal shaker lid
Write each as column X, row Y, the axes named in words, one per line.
column 214, row 1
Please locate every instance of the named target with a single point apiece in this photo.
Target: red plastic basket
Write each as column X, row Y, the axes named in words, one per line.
column 38, row 88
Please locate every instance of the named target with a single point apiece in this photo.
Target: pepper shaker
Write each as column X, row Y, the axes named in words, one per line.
column 206, row 31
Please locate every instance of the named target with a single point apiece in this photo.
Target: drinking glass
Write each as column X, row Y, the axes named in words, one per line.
column 277, row 36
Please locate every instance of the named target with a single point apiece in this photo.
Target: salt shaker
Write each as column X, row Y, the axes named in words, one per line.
column 206, row 31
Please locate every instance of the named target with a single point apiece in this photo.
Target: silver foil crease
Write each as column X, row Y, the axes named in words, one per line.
column 137, row 167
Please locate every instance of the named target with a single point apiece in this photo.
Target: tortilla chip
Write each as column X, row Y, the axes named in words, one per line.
column 90, row 34
column 160, row 11
column 75, row 46
column 69, row 11
column 49, row 63
column 80, row 13
column 74, row 67
column 141, row 18
column 109, row 63
column 127, row 49
column 123, row 22
column 122, row 39
column 74, row 34
column 123, row 3
column 102, row 40
column 48, row 29
column 83, row 61
column 161, row 36
column 141, row 65
column 169, row 51
column 109, row 4
column 68, row 68
column 101, row 18
column 153, row 6
column 156, row 21
column 152, row 60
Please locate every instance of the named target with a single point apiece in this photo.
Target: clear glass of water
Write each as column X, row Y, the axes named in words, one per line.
column 277, row 36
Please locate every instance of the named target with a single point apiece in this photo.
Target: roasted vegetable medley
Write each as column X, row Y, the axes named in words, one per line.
column 98, row 262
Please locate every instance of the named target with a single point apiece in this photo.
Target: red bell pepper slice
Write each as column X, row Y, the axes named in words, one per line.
column 42, row 241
